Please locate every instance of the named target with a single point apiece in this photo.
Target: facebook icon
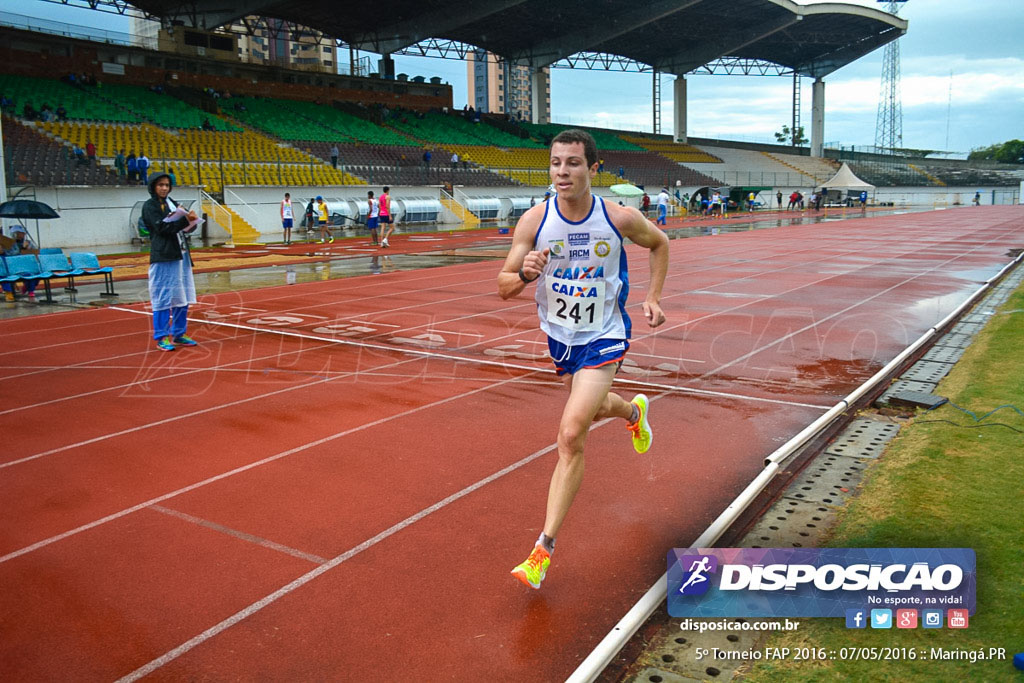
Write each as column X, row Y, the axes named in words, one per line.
column 856, row 618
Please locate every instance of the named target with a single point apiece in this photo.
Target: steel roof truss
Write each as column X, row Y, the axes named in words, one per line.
column 701, row 53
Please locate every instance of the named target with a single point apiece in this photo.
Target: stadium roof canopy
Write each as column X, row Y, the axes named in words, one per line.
column 672, row 36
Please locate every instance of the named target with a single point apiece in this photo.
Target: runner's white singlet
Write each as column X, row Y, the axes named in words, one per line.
column 581, row 294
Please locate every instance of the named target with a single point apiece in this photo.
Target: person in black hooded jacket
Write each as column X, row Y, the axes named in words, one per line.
column 171, row 287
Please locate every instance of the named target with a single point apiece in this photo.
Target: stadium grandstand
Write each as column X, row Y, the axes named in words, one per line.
column 242, row 134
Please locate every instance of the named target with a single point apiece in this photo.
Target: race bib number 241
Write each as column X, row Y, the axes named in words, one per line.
column 577, row 305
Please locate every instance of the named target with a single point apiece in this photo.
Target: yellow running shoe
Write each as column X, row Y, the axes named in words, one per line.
column 532, row 571
column 643, row 437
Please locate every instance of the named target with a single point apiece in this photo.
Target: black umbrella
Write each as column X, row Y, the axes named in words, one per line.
column 27, row 208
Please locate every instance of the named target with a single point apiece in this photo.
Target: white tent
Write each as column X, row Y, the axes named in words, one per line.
column 844, row 179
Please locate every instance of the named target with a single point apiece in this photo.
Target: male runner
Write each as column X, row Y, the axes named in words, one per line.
column 387, row 217
column 323, row 220
column 372, row 216
column 287, row 217
column 572, row 246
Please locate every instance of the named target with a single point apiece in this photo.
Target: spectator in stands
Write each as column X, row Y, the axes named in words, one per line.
column 131, row 163
column 143, row 162
column 79, row 154
column 62, row 113
column 334, row 156
column 28, row 112
column 6, row 103
column 46, row 114
column 119, row 161
column 622, row 173
column 778, row 198
column 455, row 160
column 171, row 287
column 426, row 158
column 90, row 151
column 206, row 124
column 323, row 218
column 22, row 244
column 600, row 165
column 663, row 200
column 174, row 178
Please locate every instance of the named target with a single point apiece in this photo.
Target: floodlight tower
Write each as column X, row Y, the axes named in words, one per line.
column 889, row 124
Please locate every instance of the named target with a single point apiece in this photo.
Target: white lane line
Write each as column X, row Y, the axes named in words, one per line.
column 331, row 564
column 266, row 543
column 506, row 365
column 244, row 468
column 148, row 380
column 509, row 365
column 372, row 324
column 195, row 413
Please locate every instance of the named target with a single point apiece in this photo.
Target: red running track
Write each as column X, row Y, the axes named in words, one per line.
column 335, row 484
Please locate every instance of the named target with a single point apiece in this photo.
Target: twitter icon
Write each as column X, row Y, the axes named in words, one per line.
column 881, row 618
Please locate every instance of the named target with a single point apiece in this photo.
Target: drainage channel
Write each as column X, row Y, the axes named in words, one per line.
column 809, row 506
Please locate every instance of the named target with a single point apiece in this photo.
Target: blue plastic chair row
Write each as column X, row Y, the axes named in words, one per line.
column 47, row 266
column 26, row 267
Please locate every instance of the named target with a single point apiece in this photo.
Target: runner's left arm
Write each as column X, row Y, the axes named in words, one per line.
column 633, row 225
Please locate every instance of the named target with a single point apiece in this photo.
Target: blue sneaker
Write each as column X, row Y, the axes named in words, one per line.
column 165, row 344
column 185, row 340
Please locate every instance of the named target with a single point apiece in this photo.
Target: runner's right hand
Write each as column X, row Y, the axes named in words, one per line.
column 533, row 264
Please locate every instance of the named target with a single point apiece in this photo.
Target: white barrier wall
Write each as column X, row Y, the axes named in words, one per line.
column 89, row 215
column 99, row 216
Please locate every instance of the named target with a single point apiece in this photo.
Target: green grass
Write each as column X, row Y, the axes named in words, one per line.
column 943, row 485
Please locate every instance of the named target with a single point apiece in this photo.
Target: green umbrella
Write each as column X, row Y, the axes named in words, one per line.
column 626, row 190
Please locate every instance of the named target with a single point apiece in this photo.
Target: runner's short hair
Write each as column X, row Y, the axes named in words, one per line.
column 571, row 135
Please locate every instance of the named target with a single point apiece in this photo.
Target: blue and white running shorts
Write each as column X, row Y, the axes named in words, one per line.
column 570, row 359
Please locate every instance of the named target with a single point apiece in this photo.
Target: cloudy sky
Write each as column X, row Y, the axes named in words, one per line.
column 962, row 66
